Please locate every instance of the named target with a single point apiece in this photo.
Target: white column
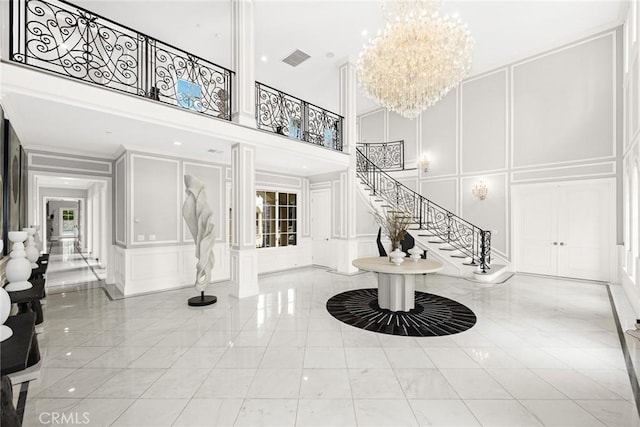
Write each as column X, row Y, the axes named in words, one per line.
column 348, row 94
column 244, row 257
column 243, row 60
column 347, row 243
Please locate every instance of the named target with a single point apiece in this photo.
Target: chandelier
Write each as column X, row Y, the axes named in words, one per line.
column 416, row 58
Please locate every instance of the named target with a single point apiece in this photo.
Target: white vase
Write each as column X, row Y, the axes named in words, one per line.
column 397, row 256
column 5, row 310
column 18, row 269
column 416, row 254
column 31, row 249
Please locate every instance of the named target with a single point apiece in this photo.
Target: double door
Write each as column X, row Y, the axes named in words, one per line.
column 564, row 229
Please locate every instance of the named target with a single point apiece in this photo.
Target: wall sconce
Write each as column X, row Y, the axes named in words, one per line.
column 480, row 190
column 423, row 163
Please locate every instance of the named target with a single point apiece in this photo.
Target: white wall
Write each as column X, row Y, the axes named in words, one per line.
column 154, row 249
column 543, row 119
column 629, row 257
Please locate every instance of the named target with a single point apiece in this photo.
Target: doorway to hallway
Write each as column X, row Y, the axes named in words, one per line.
column 70, row 266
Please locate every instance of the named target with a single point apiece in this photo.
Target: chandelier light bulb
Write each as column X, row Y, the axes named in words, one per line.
column 417, row 58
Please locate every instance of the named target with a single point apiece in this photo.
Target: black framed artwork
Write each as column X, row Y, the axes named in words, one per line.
column 13, row 180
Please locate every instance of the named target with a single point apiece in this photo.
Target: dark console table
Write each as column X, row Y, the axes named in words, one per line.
column 29, row 299
column 21, row 350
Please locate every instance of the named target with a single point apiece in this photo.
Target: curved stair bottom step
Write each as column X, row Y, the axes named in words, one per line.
column 496, row 274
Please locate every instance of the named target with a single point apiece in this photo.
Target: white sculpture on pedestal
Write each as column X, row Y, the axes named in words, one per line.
column 199, row 218
column 18, row 269
column 37, row 238
column 31, row 250
column 5, row 310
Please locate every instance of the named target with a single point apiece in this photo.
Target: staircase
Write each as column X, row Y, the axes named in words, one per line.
column 463, row 248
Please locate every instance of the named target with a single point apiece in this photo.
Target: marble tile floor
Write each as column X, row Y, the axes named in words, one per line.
column 68, row 267
column 544, row 352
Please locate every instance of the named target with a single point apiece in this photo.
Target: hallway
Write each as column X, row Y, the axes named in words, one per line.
column 71, row 269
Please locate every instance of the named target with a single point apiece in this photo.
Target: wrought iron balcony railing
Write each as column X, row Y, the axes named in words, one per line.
column 388, row 156
column 287, row 115
column 472, row 242
column 58, row 37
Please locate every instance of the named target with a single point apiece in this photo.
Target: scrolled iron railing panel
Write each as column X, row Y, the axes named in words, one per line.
column 470, row 240
column 207, row 88
column 281, row 113
column 67, row 40
column 59, row 37
column 275, row 110
column 319, row 122
column 388, row 156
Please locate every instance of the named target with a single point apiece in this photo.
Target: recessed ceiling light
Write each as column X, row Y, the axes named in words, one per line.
column 330, row 54
column 304, row 166
column 177, row 143
column 217, row 35
column 364, row 32
column 108, row 132
column 263, row 58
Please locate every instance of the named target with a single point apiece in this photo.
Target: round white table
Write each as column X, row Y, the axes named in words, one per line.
column 397, row 283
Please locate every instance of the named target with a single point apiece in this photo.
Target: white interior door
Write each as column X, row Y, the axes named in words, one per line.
column 563, row 229
column 535, row 230
column 584, row 230
column 321, row 227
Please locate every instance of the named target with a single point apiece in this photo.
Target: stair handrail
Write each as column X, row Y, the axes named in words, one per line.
column 464, row 236
column 388, row 156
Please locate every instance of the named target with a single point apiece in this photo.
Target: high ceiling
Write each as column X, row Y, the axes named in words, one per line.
column 331, row 31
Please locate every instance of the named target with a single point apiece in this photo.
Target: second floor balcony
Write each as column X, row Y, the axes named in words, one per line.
column 58, row 37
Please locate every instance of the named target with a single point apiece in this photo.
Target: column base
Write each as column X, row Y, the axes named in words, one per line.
column 244, row 272
column 346, row 251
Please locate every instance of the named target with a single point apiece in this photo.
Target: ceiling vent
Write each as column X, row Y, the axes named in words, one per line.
column 296, row 58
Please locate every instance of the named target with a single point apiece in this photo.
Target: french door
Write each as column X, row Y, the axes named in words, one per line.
column 564, row 229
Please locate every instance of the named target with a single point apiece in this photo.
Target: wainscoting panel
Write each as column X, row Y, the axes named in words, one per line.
column 143, row 270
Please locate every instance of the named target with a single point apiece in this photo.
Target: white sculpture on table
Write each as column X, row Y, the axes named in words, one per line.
column 18, row 269
column 5, row 310
column 199, row 218
column 36, row 237
column 31, row 249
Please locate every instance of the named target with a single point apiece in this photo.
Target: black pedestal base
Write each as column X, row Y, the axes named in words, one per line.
column 202, row 300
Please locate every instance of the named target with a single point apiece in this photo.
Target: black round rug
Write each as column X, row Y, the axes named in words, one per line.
column 432, row 316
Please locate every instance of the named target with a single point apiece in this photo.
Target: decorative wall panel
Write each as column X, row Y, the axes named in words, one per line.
column 405, row 129
column 441, row 191
column 372, row 127
column 484, row 123
column 564, row 104
column 439, row 135
column 491, row 213
column 155, row 200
